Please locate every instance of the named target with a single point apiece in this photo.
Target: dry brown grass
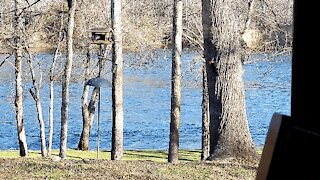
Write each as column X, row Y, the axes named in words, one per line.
column 35, row 168
column 136, row 165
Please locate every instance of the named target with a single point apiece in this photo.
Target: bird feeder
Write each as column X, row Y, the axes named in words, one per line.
column 101, row 35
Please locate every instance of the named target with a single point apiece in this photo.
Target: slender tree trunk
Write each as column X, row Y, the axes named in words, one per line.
column 99, row 100
column 117, row 80
column 173, row 155
column 36, row 97
column 229, row 133
column 51, row 118
column 205, row 117
column 51, row 86
column 66, row 81
column 23, row 147
column 51, row 106
column 210, row 53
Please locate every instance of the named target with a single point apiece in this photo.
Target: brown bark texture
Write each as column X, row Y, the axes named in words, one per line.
column 224, row 53
column 173, row 155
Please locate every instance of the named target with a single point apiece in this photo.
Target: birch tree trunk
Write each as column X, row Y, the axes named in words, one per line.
column 117, row 80
column 51, row 110
column 23, row 147
column 66, row 80
column 173, row 155
column 36, row 97
column 229, row 133
column 51, row 105
column 51, row 85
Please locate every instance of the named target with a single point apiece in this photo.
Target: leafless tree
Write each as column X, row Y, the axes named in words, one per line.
column 117, row 82
column 19, row 26
column 88, row 19
column 209, row 76
column 52, row 79
column 88, row 110
column 223, row 22
column 66, row 80
column 173, row 155
column 35, row 93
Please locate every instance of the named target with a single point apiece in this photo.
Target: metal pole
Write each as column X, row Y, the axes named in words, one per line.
column 98, row 129
column 98, row 141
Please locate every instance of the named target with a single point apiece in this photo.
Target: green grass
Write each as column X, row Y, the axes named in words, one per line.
column 151, row 155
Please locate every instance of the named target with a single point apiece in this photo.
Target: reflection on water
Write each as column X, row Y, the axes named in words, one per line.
column 147, row 103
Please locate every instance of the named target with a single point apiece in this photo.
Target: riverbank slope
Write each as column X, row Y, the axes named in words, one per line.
column 141, row 164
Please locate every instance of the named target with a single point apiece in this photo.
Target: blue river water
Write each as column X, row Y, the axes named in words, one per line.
column 147, row 89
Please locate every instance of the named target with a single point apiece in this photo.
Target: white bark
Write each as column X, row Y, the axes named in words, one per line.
column 19, row 85
column 36, row 97
column 51, row 86
column 117, row 80
column 66, row 82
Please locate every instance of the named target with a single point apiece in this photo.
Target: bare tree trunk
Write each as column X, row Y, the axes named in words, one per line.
column 85, row 134
column 51, row 110
column 66, row 81
column 51, row 86
column 173, row 155
column 117, row 80
column 51, row 106
column 88, row 110
column 19, row 89
column 205, row 153
column 230, row 135
column 87, row 117
column 210, row 53
column 36, row 97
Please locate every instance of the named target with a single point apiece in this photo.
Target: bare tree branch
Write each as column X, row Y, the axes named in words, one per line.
column 5, row 59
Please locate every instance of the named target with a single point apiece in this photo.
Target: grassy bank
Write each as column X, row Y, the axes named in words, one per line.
column 129, row 155
column 143, row 164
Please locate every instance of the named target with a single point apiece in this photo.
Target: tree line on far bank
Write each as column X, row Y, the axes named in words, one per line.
column 224, row 32
column 146, row 25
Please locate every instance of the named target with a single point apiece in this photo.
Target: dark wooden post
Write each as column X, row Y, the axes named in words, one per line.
column 292, row 148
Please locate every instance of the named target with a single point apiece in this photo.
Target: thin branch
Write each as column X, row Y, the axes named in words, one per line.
column 11, row 64
column 27, row 2
column 2, row 62
column 5, row 59
column 35, row 98
column 22, row 9
column 196, row 41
